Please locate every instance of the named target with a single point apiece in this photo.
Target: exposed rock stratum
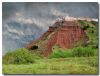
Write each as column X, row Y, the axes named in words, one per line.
column 64, row 33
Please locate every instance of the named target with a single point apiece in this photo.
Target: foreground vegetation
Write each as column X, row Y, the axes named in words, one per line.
column 20, row 56
column 74, row 52
column 72, row 61
column 71, row 65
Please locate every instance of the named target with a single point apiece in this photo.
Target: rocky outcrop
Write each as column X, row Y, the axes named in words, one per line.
column 62, row 33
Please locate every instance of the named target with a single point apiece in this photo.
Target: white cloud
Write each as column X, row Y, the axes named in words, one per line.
column 19, row 32
column 40, row 22
column 23, row 19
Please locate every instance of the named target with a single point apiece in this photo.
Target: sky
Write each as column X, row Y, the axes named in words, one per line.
column 24, row 22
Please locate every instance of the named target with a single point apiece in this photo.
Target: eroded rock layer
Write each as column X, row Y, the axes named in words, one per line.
column 65, row 34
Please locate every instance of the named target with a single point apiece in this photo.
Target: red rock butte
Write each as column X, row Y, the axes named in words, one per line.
column 63, row 33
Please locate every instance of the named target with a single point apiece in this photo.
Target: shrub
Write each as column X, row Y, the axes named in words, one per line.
column 94, row 23
column 85, row 24
column 19, row 56
column 61, row 54
column 75, row 52
column 8, row 58
column 91, row 30
column 83, row 51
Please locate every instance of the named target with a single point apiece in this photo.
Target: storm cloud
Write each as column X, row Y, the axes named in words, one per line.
column 23, row 22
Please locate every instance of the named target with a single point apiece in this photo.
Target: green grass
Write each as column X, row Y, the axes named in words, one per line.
column 71, row 65
column 20, row 56
column 73, row 52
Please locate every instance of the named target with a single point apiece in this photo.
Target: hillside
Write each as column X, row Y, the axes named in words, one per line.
column 66, row 34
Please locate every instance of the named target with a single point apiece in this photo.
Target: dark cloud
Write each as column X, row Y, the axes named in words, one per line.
column 9, row 9
column 23, row 22
column 75, row 9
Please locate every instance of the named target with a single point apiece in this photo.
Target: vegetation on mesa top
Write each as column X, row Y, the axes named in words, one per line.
column 91, row 29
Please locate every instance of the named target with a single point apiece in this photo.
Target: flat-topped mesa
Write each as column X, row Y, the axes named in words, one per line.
column 65, row 32
column 68, row 21
column 68, row 33
column 63, row 23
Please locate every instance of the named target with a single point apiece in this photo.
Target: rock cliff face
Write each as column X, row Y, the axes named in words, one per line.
column 65, row 34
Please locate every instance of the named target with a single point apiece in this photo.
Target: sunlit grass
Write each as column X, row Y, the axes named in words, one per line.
column 72, row 65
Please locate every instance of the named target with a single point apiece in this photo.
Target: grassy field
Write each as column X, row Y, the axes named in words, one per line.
column 70, row 65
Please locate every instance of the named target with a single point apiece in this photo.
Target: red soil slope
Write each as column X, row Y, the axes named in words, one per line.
column 65, row 34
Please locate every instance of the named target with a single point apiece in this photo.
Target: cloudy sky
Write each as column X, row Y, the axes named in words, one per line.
column 24, row 22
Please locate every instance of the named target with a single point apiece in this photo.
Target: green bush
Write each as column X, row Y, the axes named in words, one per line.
column 19, row 56
column 94, row 23
column 83, row 51
column 91, row 30
column 85, row 24
column 75, row 52
column 61, row 54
